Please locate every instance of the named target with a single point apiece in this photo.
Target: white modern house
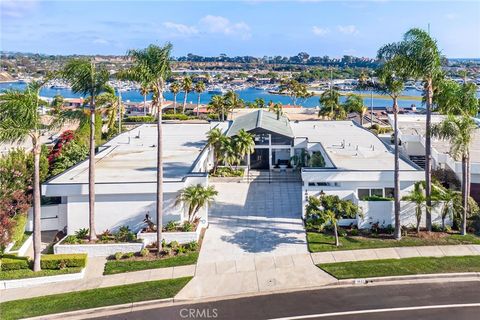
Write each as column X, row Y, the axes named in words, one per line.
column 125, row 183
column 412, row 137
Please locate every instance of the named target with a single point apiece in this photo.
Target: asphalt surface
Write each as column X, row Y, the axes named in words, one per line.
column 318, row 304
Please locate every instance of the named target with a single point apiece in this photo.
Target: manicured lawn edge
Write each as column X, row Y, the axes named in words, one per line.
column 27, row 273
column 319, row 242
column 401, row 267
column 120, row 266
column 93, row 298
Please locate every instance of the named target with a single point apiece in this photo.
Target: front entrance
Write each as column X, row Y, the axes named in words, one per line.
column 259, row 159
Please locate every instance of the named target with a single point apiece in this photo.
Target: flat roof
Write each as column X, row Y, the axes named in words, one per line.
column 131, row 156
column 348, row 146
column 415, row 125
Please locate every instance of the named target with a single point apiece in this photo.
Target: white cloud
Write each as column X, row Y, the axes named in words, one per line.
column 218, row 24
column 451, row 16
column 349, row 29
column 180, row 28
column 17, row 8
column 100, row 41
column 320, row 31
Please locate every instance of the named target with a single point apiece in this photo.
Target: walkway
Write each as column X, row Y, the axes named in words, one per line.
column 255, row 243
column 395, row 253
column 94, row 278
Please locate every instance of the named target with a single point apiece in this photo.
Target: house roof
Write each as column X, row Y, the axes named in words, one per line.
column 261, row 119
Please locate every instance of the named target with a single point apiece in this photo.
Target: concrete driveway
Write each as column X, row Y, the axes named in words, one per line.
column 255, row 242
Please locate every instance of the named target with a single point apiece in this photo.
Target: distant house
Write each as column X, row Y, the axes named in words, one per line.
column 73, row 103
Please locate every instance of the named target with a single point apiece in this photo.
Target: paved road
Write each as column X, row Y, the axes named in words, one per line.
column 416, row 300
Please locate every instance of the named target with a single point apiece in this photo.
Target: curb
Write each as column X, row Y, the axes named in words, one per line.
column 432, row 276
column 106, row 310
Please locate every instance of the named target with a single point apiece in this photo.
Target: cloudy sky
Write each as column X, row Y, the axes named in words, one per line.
column 252, row 27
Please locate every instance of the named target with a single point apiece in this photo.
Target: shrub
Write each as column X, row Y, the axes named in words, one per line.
column 140, row 119
column 118, row 255
column 389, row 229
column 175, row 116
column 72, row 154
column 128, row 255
column 354, row 232
column 436, row 227
column 173, row 244
column 188, row 226
column 11, row 262
column 181, row 250
column 124, row 234
column 213, row 116
column 227, row 172
column 144, row 252
column 106, row 236
column 376, row 198
column 19, row 230
column 61, row 261
column 82, row 233
column 171, row 226
column 191, row 246
column 342, row 232
column 71, row 239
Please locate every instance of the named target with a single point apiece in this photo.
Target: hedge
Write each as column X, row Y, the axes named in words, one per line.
column 175, row 116
column 140, row 119
column 60, row 261
column 14, row 263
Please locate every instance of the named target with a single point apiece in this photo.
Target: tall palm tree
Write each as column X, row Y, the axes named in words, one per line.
column 232, row 101
column 88, row 79
column 144, row 91
column 215, row 139
column 199, row 89
column 329, row 100
column 459, row 132
column 393, row 86
column 20, row 120
column 417, row 196
column 152, row 65
column 187, row 86
column 217, row 105
column 354, row 103
column 175, row 89
column 244, row 144
column 194, row 198
column 276, row 108
column 419, row 55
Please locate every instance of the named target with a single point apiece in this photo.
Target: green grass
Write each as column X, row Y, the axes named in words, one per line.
column 18, row 244
column 91, row 298
column 114, row 266
column 27, row 273
column 397, row 267
column 318, row 242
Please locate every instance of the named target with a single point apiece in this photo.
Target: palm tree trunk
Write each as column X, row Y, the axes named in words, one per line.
column 198, row 106
column 175, row 103
column 464, row 195
column 396, row 189
column 159, row 202
column 428, row 157
column 144, row 104
column 91, row 173
column 184, row 102
column 335, row 231
column 37, row 230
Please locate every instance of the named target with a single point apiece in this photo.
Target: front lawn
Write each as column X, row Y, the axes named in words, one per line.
column 119, row 266
column 397, row 267
column 19, row 244
column 93, row 298
column 28, row 273
column 318, row 242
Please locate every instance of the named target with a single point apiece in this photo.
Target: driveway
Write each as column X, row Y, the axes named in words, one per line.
column 255, row 242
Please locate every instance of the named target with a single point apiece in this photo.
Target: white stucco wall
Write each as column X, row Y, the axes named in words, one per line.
column 54, row 217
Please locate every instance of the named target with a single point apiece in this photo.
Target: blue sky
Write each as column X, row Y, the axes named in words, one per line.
column 251, row 27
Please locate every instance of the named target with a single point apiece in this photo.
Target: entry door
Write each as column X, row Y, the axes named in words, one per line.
column 259, row 159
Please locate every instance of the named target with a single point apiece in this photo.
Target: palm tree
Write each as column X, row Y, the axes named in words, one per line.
column 215, row 139
column 175, row 89
column 88, row 79
column 259, row 103
column 194, row 198
column 244, row 144
column 152, row 65
column 417, row 196
column 107, row 102
column 329, row 100
column 232, row 101
column 217, row 105
column 199, row 89
column 20, row 120
column 186, row 87
column 228, row 152
column 144, row 91
column 276, row 108
column 459, row 132
column 354, row 103
column 449, row 199
column 419, row 55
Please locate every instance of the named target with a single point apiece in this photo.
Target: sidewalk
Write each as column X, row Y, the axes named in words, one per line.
column 395, row 253
column 94, row 278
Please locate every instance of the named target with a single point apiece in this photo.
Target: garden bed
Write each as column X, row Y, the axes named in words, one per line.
column 319, row 242
column 97, row 249
column 18, row 244
column 398, row 267
column 173, row 233
column 226, row 174
column 93, row 298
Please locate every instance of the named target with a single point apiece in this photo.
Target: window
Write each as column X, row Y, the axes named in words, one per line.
column 262, row 139
column 389, row 192
column 376, row 192
column 363, row 193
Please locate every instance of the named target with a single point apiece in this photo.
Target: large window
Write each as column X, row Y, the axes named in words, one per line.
column 376, row 192
column 262, row 139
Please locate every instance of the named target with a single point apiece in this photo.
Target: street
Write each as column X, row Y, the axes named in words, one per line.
column 459, row 300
